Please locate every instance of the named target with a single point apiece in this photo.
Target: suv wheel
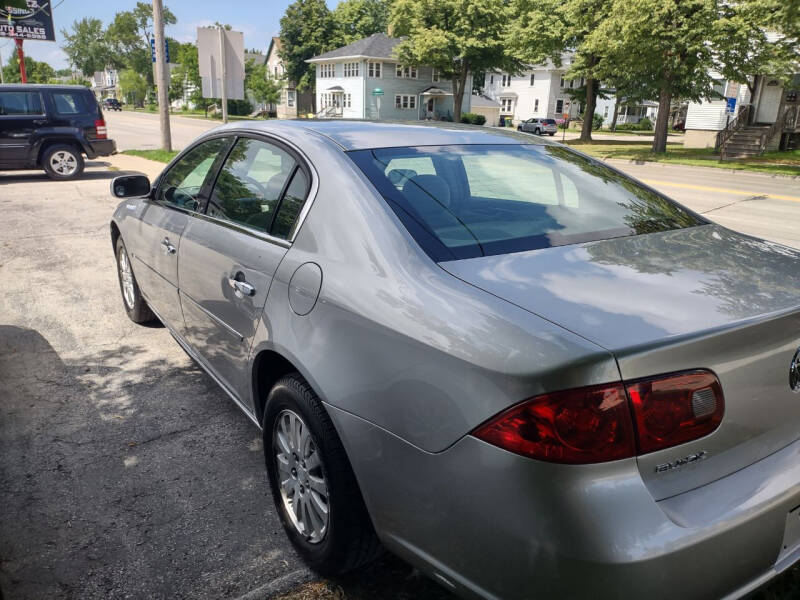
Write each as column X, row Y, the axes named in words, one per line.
column 312, row 483
column 135, row 305
column 62, row 162
column 537, row 131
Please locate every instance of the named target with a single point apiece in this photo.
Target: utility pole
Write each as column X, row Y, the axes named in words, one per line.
column 223, row 74
column 2, row 79
column 162, row 74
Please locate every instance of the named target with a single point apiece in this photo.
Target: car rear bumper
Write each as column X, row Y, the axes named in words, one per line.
column 488, row 523
column 102, row 148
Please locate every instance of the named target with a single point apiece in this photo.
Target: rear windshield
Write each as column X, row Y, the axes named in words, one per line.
column 481, row 200
column 74, row 103
column 549, row 121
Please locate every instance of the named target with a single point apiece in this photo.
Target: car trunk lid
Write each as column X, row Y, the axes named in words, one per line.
column 695, row 298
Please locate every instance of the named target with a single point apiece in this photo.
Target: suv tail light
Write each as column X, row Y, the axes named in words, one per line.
column 101, row 129
column 594, row 424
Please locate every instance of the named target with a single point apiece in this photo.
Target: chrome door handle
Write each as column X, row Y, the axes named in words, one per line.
column 168, row 247
column 241, row 288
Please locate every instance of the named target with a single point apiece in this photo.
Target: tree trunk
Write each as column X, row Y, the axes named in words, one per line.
column 588, row 115
column 616, row 114
column 459, row 83
column 662, row 121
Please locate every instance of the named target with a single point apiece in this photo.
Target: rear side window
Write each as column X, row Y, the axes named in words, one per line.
column 550, row 121
column 484, row 200
column 72, row 103
column 252, row 183
column 20, row 103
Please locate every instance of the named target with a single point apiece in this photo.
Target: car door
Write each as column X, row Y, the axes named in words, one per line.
column 228, row 259
column 21, row 114
column 178, row 194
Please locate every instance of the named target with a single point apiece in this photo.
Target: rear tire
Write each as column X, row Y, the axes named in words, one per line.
column 133, row 302
column 537, row 131
column 551, row 134
column 62, row 162
column 314, row 462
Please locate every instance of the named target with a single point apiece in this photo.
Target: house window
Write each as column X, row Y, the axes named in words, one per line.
column 435, row 75
column 405, row 101
column 532, row 78
column 605, row 112
column 562, row 81
column 290, row 97
column 347, row 101
column 536, row 105
column 406, row 72
column 326, row 70
column 559, row 106
column 506, row 81
column 375, row 69
column 571, row 83
column 506, row 105
column 351, row 69
column 491, row 79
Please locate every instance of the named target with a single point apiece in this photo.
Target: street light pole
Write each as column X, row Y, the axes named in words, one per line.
column 162, row 74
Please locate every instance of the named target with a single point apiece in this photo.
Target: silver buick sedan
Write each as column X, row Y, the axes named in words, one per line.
column 508, row 363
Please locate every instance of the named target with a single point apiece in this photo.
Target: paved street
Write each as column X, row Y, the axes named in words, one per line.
column 124, row 470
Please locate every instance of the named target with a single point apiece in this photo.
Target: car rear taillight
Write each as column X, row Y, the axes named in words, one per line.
column 584, row 425
column 594, row 424
column 101, row 129
column 675, row 409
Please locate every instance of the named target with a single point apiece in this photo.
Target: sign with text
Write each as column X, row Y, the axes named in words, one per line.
column 32, row 23
column 730, row 105
column 153, row 49
column 212, row 44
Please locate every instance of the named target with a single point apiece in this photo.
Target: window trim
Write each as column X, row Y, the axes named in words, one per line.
column 28, row 115
column 296, row 153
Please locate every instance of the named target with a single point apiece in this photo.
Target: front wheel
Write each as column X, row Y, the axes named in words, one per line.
column 312, row 483
column 519, row 127
column 62, row 162
column 551, row 134
column 135, row 305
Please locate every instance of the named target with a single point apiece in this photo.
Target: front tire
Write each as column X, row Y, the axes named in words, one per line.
column 62, row 162
column 135, row 305
column 312, row 482
column 551, row 134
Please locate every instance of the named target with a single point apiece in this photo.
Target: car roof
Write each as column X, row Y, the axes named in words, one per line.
column 366, row 135
column 41, row 86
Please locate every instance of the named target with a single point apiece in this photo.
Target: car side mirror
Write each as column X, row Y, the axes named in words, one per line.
column 130, row 186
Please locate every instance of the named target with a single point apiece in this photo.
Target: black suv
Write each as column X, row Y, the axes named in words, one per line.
column 51, row 127
column 112, row 104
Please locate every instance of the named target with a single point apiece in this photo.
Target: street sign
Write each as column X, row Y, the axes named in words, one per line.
column 210, row 46
column 730, row 105
column 377, row 92
column 32, row 23
column 153, row 49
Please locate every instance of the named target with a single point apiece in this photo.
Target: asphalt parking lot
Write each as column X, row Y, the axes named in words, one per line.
column 124, row 471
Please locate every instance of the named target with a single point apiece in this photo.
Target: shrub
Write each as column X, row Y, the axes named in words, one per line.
column 646, row 124
column 597, row 121
column 239, row 107
column 473, row 119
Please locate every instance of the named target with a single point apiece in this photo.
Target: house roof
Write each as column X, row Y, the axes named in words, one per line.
column 256, row 57
column 483, row 102
column 274, row 44
column 378, row 45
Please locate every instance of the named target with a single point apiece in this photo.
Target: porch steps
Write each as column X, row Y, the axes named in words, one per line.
column 745, row 142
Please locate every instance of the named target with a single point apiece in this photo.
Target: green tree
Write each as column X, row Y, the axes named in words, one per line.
column 261, row 86
column 454, row 36
column 665, row 44
column 133, row 86
column 128, row 38
column 37, row 71
column 307, row 29
column 357, row 19
column 85, row 46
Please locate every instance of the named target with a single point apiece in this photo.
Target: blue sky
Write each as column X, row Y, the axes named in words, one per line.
column 257, row 19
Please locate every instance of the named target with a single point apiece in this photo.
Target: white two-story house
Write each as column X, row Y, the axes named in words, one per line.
column 364, row 80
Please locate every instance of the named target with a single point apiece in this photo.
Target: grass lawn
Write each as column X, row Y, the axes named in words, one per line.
column 159, row 155
column 776, row 163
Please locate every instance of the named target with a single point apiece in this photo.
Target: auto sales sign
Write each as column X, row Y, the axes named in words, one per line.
column 32, row 23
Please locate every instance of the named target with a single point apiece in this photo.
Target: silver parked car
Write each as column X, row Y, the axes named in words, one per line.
column 510, row 364
column 539, row 126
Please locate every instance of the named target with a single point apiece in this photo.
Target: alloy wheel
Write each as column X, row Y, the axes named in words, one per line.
column 301, row 479
column 126, row 277
column 64, row 162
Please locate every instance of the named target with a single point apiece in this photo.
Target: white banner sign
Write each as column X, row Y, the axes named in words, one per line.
column 211, row 42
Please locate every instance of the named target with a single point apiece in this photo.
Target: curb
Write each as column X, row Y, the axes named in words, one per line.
column 281, row 585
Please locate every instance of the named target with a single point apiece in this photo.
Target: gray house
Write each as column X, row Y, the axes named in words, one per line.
column 363, row 80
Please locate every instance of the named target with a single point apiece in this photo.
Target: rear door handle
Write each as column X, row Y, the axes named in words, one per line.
column 240, row 287
column 168, row 247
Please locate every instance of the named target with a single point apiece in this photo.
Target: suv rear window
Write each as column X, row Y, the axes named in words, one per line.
column 72, row 103
column 481, row 200
column 549, row 121
column 20, row 103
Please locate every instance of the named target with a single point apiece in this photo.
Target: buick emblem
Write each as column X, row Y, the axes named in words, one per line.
column 794, row 372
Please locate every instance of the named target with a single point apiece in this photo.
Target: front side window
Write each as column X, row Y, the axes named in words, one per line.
column 251, row 183
column 182, row 184
column 481, row 200
column 70, row 103
column 20, row 103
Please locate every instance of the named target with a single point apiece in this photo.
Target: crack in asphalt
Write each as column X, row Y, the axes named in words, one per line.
column 735, row 202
